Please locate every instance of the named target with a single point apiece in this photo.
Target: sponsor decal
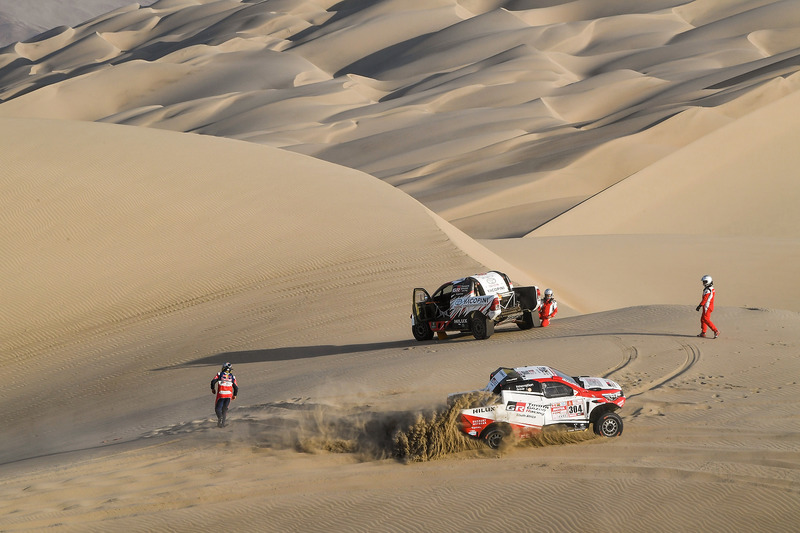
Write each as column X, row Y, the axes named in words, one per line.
column 473, row 300
column 534, row 372
column 461, row 307
column 568, row 409
column 599, row 383
column 484, row 409
column 496, row 379
column 468, row 421
column 460, row 290
column 492, row 282
column 591, row 383
column 525, row 407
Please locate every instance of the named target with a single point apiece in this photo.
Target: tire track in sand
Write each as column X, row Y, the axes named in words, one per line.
column 629, row 354
column 692, row 356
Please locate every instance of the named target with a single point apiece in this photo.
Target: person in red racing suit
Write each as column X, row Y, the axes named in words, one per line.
column 225, row 388
column 548, row 309
column 707, row 305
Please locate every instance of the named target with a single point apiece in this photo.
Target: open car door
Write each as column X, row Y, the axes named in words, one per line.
column 423, row 306
column 423, row 310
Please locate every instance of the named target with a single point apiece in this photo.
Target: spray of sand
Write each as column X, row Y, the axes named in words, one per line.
column 407, row 436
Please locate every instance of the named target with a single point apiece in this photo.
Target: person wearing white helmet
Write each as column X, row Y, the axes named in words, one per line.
column 707, row 305
column 548, row 309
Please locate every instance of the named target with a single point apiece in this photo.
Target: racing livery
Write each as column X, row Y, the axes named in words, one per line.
column 473, row 304
column 526, row 400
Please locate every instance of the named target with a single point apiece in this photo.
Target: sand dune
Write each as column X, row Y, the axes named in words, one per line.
column 324, row 158
column 21, row 21
column 448, row 94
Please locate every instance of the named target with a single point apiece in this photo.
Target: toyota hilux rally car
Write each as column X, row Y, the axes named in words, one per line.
column 526, row 400
column 473, row 304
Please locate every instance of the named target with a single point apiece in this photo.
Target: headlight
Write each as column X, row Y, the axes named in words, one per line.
column 611, row 396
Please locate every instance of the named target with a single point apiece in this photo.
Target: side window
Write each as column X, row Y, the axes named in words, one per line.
column 442, row 296
column 556, row 390
column 463, row 288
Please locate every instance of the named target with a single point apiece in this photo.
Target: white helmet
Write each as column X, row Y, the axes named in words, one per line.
column 706, row 280
column 548, row 293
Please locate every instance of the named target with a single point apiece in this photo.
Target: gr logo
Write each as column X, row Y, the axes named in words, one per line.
column 516, row 406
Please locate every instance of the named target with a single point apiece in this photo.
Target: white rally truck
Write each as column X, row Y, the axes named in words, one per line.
column 473, row 304
column 525, row 401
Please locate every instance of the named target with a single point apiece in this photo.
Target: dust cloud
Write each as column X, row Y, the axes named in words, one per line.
column 405, row 435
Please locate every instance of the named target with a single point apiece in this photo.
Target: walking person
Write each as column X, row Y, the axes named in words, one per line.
column 226, row 389
column 548, row 309
column 707, row 306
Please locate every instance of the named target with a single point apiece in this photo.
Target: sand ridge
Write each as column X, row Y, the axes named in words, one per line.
column 264, row 183
column 469, row 93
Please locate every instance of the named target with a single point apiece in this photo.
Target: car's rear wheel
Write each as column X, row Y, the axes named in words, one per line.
column 422, row 331
column 494, row 435
column 527, row 320
column 481, row 326
column 608, row 425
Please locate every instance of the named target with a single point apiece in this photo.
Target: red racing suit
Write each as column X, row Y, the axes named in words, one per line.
column 707, row 303
column 547, row 311
column 226, row 385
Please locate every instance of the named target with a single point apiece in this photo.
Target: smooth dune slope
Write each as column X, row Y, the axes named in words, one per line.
column 127, row 250
column 724, row 204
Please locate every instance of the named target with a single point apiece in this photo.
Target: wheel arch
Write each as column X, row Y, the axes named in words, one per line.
column 601, row 410
column 505, row 427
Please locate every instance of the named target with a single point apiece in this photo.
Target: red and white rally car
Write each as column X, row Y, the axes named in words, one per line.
column 525, row 400
column 473, row 304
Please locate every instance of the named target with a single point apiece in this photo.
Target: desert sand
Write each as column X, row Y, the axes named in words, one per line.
column 264, row 183
column 20, row 21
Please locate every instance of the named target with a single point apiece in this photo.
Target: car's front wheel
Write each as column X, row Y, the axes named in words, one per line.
column 481, row 326
column 608, row 425
column 422, row 331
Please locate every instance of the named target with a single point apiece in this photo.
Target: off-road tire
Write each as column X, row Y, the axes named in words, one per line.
column 480, row 326
column 527, row 320
column 608, row 425
column 422, row 331
column 494, row 435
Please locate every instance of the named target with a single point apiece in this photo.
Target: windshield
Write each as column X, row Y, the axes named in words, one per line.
column 565, row 377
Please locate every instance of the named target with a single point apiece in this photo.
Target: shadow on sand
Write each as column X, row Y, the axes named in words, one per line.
column 291, row 353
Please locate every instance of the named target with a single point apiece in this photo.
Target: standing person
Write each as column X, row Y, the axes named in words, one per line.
column 225, row 388
column 548, row 309
column 707, row 305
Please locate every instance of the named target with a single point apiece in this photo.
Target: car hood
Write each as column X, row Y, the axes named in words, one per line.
column 596, row 383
